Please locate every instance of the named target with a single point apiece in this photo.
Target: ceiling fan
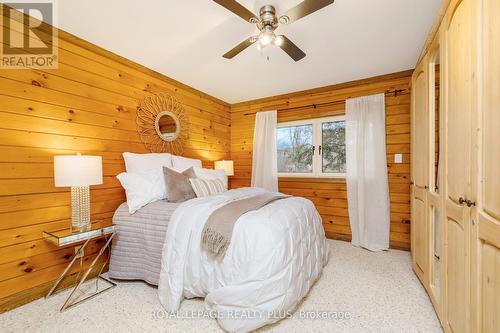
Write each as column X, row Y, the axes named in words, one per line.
column 268, row 22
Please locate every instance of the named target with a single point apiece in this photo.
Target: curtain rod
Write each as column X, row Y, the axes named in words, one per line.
column 396, row 92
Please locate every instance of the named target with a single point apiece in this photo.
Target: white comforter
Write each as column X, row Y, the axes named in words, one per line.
column 275, row 256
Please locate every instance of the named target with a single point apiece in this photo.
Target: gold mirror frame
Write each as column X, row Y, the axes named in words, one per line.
column 149, row 113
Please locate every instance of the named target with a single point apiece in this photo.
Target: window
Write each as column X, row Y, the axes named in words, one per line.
column 312, row 148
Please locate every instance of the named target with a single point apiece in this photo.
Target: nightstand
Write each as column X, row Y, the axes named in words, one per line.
column 67, row 237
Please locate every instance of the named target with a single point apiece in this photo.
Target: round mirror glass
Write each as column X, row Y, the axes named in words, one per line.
column 167, row 126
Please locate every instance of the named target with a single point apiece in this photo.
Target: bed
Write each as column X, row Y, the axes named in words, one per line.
column 253, row 255
column 275, row 255
column 136, row 249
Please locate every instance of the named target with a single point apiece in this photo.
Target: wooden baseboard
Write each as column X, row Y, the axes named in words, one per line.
column 337, row 236
column 347, row 238
column 399, row 246
column 32, row 294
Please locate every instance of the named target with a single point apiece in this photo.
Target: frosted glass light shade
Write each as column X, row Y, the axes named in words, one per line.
column 227, row 166
column 77, row 170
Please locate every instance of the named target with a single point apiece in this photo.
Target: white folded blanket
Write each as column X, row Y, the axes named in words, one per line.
column 218, row 229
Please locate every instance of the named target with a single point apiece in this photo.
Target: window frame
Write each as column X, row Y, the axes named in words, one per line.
column 317, row 138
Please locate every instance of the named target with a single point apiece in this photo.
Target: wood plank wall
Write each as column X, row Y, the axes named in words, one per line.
column 87, row 105
column 329, row 195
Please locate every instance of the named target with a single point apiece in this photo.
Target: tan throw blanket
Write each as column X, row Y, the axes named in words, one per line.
column 218, row 229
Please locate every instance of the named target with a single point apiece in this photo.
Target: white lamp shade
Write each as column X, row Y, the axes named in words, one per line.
column 227, row 166
column 77, row 170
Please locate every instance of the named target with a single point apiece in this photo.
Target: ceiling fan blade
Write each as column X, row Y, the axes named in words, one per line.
column 237, row 9
column 240, row 47
column 304, row 8
column 291, row 49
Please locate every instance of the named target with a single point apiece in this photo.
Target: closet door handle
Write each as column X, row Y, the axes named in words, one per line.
column 467, row 202
column 319, row 150
column 470, row 203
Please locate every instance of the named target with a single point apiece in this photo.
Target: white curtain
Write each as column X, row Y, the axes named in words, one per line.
column 366, row 164
column 265, row 160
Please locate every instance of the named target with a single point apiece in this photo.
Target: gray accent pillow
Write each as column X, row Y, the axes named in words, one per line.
column 179, row 188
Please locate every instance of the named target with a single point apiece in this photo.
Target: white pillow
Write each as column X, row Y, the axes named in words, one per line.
column 206, row 187
column 180, row 163
column 141, row 163
column 141, row 188
column 211, row 174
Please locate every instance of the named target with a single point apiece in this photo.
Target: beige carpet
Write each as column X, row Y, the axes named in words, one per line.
column 377, row 292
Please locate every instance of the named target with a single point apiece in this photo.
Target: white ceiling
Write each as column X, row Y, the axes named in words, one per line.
column 185, row 40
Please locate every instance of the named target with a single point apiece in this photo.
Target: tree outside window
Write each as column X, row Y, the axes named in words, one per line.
column 312, row 148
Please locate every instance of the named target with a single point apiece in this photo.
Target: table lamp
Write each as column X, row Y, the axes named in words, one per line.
column 227, row 166
column 79, row 172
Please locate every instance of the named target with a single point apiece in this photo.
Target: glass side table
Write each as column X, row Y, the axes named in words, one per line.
column 66, row 237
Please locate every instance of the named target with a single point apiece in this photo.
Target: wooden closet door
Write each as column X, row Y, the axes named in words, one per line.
column 419, row 232
column 458, row 165
column 488, row 280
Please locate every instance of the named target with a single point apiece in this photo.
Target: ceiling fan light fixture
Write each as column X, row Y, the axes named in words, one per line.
column 279, row 40
column 266, row 38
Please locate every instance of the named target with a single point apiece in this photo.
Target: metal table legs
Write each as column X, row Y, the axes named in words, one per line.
column 70, row 300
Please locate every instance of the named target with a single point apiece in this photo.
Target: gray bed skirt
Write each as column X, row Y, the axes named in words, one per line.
column 138, row 243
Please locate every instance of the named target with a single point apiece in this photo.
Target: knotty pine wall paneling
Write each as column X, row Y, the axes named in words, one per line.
column 329, row 195
column 87, row 105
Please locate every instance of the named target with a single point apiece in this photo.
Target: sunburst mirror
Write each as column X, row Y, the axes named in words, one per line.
column 163, row 124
